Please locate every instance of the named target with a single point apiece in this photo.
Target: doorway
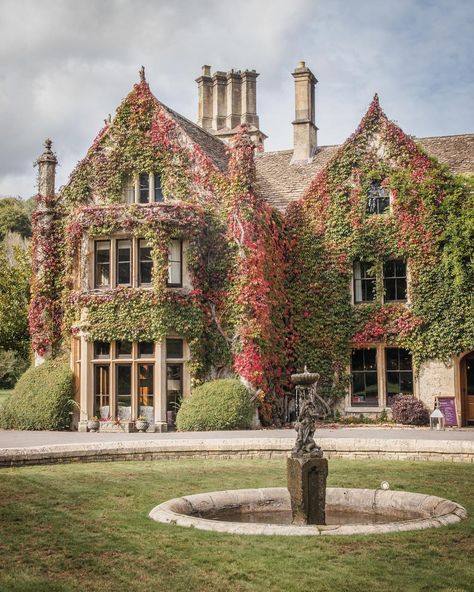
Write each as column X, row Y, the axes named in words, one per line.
column 467, row 387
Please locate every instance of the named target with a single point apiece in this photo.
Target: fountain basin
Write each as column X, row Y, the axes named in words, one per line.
column 379, row 511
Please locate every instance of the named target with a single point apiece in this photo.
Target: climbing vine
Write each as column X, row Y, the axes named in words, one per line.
column 329, row 228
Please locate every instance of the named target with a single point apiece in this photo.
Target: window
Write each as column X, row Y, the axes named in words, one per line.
column 131, row 393
column 145, row 263
column 174, row 349
column 175, row 267
column 143, row 188
column 364, row 282
column 158, row 191
column 395, row 280
column 124, row 262
column 378, row 199
column 102, row 264
column 364, row 377
column 398, row 373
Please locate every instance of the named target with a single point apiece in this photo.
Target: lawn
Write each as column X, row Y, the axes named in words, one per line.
column 4, row 394
column 85, row 527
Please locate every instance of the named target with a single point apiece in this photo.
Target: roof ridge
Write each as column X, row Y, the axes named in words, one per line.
column 445, row 136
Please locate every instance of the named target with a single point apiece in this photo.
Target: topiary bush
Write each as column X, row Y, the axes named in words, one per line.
column 223, row 404
column 42, row 399
column 409, row 411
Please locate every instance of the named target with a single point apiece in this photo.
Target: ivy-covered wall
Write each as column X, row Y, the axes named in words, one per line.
column 430, row 225
column 270, row 293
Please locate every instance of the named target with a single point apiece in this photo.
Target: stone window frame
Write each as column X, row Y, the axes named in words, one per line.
column 381, row 364
column 133, row 181
column 185, row 278
column 379, row 276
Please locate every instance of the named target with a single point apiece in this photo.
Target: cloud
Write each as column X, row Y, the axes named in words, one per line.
column 66, row 64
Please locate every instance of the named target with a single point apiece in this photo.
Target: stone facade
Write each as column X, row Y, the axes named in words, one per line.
column 226, row 101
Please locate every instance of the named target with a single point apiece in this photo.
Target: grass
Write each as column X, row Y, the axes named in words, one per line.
column 4, row 394
column 85, row 527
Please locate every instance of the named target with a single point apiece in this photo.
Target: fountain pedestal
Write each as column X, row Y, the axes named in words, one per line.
column 307, row 486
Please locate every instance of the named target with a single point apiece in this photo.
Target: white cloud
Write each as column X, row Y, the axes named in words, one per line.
column 66, row 64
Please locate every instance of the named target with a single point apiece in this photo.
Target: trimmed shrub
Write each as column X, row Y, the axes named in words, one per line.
column 409, row 411
column 222, row 404
column 42, row 399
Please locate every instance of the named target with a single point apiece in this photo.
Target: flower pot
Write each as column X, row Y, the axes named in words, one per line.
column 141, row 425
column 93, row 425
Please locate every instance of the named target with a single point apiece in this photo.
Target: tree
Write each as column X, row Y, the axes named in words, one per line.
column 15, row 216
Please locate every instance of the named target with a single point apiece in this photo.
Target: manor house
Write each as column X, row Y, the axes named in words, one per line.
column 179, row 252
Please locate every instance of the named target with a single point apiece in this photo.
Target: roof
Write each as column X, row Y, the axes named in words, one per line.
column 212, row 146
column 280, row 182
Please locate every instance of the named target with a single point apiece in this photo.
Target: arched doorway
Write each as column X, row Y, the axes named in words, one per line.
column 467, row 387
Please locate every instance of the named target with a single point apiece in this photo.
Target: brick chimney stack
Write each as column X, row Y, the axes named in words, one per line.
column 249, row 98
column 304, row 127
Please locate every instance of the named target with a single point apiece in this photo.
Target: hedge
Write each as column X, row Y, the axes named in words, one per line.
column 42, row 399
column 223, row 404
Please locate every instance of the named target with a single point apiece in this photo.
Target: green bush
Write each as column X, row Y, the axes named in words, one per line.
column 42, row 399
column 216, row 405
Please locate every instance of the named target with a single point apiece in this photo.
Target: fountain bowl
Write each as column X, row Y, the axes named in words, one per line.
column 356, row 511
column 304, row 378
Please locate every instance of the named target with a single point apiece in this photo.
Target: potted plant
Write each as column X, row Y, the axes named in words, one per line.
column 141, row 424
column 93, row 424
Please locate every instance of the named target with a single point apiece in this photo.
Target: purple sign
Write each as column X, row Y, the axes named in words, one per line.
column 447, row 406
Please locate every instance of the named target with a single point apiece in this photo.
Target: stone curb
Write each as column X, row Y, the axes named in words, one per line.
column 352, row 448
column 418, row 511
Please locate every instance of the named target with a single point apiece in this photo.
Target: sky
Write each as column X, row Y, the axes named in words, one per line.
column 66, row 64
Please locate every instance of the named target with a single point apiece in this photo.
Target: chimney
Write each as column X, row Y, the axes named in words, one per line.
column 205, row 85
column 234, row 99
column 219, row 100
column 249, row 98
column 304, row 128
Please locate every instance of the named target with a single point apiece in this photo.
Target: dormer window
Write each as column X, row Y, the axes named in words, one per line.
column 378, row 199
column 143, row 188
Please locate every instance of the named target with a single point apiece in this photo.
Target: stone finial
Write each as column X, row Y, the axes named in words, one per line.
column 48, row 155
column 142, row 74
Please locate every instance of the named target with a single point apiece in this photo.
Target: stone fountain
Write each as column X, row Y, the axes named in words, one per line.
column 307, row 470
column 307, row 507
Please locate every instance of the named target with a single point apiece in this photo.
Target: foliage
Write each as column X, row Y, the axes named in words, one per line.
column 409, row 411
column 14, row 217
column 430, row 225
column 15, row 277
column 42, row 399
column 12, row 366
column 223, row 404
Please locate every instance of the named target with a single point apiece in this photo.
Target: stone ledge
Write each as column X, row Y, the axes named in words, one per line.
column 351, row 448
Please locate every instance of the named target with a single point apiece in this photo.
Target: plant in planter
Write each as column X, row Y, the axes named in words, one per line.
column 141, row 424
column 93, row 424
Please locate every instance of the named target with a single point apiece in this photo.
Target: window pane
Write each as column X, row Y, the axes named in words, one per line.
column 358, row 384
column 390, row 289
column 357, row 359
column 145, row 384
column 145, row 263
column 406, row 383
column 130, row 190
column 358, row 291
column 364, row 377
column 401, row 289
column 368, row 290
column 124, row 262
column 393, row 383
column 391, row 356
column 124, row 349
column 370, row 359
column 144, row 196
column 101, row 349
column 102, row 264
column 146, row 349
column 158, row 189
column 389, row 269
column 174, row 263
column 101, row 391
column 174, row 348
column 405, row 359
column 174, row 385
column 124, row 391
